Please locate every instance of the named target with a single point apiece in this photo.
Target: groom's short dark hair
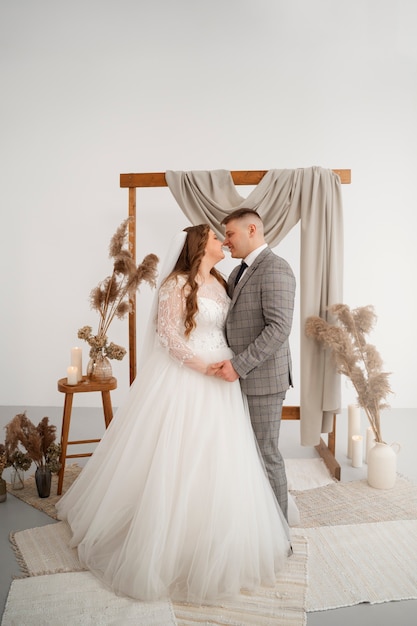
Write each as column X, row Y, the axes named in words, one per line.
column 238, row 214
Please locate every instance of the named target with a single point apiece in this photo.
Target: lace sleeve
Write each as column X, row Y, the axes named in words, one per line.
column 171, row 310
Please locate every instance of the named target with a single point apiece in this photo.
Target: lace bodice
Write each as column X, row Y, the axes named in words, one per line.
column 208, row 336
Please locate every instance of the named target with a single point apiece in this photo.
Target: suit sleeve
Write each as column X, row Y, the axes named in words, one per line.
column 277, row 308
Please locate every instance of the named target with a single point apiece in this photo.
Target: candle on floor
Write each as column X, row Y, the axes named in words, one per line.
column 72, row 375
column 354, row 425
column 357, row 450
column 76, row 361
column 370, row 441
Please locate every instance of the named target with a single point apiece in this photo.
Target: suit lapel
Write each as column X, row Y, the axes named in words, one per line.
column 248, row 274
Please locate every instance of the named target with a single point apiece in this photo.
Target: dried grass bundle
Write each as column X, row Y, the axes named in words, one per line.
column 17, row 459
column 354, row 357
column 3, row 458
column 38, row 441
column 113, row 296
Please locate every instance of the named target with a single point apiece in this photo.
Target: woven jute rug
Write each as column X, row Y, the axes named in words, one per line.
column 44, row 551
column 29, row 493
column 356, row 503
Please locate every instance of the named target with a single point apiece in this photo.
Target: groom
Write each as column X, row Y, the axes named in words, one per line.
column 258, row 325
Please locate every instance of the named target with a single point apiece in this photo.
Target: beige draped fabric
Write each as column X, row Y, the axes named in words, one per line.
column 282, row 198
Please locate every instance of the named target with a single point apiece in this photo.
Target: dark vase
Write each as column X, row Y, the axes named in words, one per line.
column 43, row 477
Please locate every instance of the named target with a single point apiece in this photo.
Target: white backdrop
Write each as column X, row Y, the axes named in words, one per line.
column 91, row 89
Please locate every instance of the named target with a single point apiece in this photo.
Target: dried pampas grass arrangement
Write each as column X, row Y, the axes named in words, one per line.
column 38, row 441
column 113, row 296
column 354, row 357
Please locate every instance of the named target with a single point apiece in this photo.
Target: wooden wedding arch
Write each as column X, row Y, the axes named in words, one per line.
column 241, row 177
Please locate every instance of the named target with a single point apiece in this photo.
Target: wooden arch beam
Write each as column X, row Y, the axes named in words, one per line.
column 240, row 177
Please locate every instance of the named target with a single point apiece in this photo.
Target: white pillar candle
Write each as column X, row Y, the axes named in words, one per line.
column 370, row 441
column 72, row 375
column 357, row 450
column 354, row 425
column 77, row 360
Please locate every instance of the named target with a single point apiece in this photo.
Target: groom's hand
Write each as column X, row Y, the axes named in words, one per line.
column 226, row 371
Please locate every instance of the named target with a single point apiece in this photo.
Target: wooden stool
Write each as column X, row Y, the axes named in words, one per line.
column 83, row 386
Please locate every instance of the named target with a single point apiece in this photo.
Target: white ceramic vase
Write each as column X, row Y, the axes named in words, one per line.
column 382, row 465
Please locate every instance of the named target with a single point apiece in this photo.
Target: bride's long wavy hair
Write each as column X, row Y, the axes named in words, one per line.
column 188, row 264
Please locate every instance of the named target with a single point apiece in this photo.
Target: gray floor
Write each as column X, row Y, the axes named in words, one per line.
column 398, row 425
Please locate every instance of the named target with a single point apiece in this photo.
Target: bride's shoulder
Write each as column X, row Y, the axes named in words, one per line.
column 172, row 283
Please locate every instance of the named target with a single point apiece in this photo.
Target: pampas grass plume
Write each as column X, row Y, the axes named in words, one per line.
column 354, row 357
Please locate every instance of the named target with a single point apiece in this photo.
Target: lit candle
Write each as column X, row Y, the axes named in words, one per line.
column 370, row 441
column 354, row 425
column 357, row 450
column 76, row 361
column 72, row 375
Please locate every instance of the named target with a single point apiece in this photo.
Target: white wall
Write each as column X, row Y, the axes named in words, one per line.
column 91, row 89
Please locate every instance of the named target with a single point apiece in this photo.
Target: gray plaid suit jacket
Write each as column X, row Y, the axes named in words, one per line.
column 259, row 323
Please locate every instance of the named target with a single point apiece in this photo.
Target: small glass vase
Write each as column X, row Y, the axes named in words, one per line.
column 17, row 478
column 43, row 479
column 99, row 368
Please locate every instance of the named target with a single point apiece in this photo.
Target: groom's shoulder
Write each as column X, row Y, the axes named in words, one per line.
column 269, row 258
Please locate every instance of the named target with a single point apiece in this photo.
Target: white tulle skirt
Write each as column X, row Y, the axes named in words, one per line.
column 175, row 501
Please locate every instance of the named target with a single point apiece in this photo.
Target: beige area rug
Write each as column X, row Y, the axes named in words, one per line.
column 361, row 548
column 45, row 550
column 282, row 605
column 307, row 474
column 358, row 563
column 79, row 599
column 356, row 503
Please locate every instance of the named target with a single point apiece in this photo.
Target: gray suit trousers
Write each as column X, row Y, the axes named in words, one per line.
column 265, row 412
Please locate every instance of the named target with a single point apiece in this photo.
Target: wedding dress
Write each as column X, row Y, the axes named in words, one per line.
column 175, row 502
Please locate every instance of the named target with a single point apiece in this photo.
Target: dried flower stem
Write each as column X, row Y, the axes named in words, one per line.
column 354, row 357
column 109, row 311
column 3, row 458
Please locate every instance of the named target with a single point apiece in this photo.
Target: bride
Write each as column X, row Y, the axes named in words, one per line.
column 175, row 502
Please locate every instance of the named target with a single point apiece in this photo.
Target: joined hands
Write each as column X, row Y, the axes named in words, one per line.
column 223, row 369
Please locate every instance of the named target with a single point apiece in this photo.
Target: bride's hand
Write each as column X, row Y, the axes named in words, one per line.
column 213, row 369
column 224, row 370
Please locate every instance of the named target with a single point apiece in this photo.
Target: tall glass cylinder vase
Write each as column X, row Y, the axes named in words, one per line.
column 17, row 479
